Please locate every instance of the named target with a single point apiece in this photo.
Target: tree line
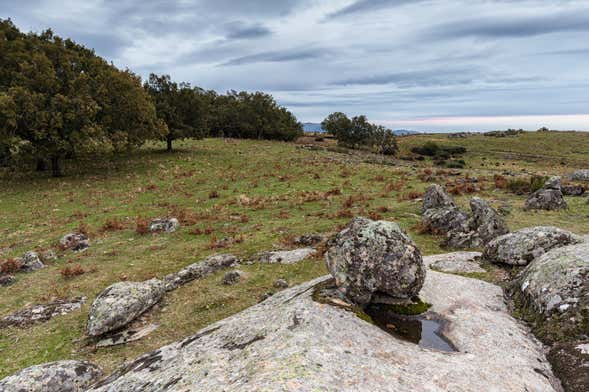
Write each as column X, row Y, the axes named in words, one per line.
column 357, row 133
column 58, row 100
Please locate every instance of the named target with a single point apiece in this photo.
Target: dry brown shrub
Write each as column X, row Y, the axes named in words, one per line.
column 410, row 196
column 141, row 226
column 378, row 178
column 500, row 182
column 374, row 215
column 113, row 224
column 396, row 186
column 70, row 272
column 9, row 266
column 213, row 194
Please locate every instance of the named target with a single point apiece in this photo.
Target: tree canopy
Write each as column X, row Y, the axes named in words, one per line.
column 58, row 98
column 358, row 132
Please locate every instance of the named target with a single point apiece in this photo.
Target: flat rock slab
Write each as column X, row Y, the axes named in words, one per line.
column 286, row 256
column 199, row 270
column 292, row 343
column 126, row 336
column 41, row 312
column 457, row 262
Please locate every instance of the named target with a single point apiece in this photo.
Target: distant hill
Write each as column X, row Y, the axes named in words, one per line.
column 316, row 128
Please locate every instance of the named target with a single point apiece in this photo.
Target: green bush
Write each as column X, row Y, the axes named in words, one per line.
column 521, row 186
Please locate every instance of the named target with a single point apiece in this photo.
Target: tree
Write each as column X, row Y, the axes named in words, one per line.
column 59, row 99
column 180, row 107
column 338, row 124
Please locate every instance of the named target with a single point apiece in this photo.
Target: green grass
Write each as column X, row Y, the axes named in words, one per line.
column 280, row 188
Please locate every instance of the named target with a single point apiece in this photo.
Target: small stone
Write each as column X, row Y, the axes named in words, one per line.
column 60, row 376
column 232, row 277
column 6, row 280
column 580, row 175
column 309, row 239
column 199, row 270
column 285, row 256
column 375, row 257
column 75, row 242
column 280, row 284
column 163, row 224
column 31, row 262
column 572, row 190
column 48, row 255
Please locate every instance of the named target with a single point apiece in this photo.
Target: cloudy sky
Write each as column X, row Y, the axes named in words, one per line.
column 417, row 64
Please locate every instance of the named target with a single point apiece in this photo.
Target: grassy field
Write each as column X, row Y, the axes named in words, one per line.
column 257, row 194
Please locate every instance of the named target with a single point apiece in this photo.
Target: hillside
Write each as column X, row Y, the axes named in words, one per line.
column 258, row 195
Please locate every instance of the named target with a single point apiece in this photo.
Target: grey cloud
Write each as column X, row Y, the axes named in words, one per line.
column 520, row 26
column 242, row 30
column 430, row 77
column 361, row 6
column 277, row 56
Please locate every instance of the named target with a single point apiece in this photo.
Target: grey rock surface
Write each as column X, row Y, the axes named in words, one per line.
column 557, row 281
column 572, row 190
column 121, row 303
column 553, row 183
column 523, row 246
column 309, row 239
column 199, row 270
column 369, row 257
column 6, row 280
column 280, row 284
column 74, row 241
column 545, row 199
column 443, row 220
column 456, row 262
column 31, row 262
column 580, row 175
column 285, row 256
column 126, row 336
column 232, row 277
column 291, row 343
column 60, row 376
column 168, row 225
column 436, row 197
column 41, row 312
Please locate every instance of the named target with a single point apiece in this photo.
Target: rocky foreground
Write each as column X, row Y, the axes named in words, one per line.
column 292, row 343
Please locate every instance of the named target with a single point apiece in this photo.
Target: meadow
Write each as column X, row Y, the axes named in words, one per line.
column 240, row 197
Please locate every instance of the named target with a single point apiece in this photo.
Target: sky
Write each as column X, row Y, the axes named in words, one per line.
column 437, row 65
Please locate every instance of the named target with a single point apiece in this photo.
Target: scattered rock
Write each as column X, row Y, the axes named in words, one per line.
column 232, row 277
column 553, row 289
column 523, row 246
column 31, row 262
column 6, row 280
column 75, row 242
column 375, row 257
column 550, row 197
column 484, row 225
column 580, row 175
column 41, row 312
column 457, row 262
column 291, row 342
column 121, row 303
column 572, row 190
column 436, row 197
column 280, row 284
column 164, row 224
column 60, row 376
column 309, row 239
column 199, row 270
column 48, row 255
column 285, row 256
column 126, row 336
column 570, row 362
column 443, row 220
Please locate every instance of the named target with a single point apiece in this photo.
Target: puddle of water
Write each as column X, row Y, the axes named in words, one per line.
column 424, row 330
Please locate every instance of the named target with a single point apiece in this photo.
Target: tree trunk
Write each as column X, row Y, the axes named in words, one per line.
column 169, row 140
column 41, row 165
column 55, row 168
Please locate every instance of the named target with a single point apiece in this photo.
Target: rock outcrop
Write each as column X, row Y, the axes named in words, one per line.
column 523, row 246
column 285, row 256
column 455, row 263
column 41, row 312
column 60, row 376
column 369, row 257
column 290, row 342
column 557, row 281
column 168, row 225
column 549, row 198
column 443, row 220
column 580, row 175
column 120, row 303
column 232, row 277
column 484, row 225
column 199, row 270
column 570, row 361
column 31, row 262
column 436, row 197
column 572, row 190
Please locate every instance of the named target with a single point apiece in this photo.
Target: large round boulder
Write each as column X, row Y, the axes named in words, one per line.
column 549, row 198
column 486, row 221
column 523, row 246
column 121, row 303
column 375, row 257
column 436, row 197
column 60, row 376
